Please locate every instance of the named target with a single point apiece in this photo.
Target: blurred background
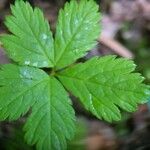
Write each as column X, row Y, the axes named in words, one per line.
column 125, row 31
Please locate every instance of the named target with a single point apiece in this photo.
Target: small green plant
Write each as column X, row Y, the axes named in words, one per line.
column 103, row 85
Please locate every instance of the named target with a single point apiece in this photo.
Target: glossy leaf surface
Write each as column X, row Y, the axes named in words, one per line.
column 52, row 117
column 104, row 85
column 76, row 32
column 31, row 41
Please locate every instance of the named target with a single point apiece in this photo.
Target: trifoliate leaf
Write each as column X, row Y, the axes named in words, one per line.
column 104, row 85
column 52, row 117
column 31, row 41
column 76, row 32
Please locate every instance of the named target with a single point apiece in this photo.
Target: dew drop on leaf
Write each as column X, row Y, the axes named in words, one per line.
column 91, row 102
column 134, row 65
column 86, row 28
column 24, row 73
column 147, row 92
column 61, row 32
column 35, row 64
column 66, row 14
column 44, row 36
column 76, row 22
column 27, row 62
column 45, row 63
column 76, row 51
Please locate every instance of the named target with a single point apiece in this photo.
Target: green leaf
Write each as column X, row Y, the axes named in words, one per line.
column 18, row 89
column 52, row 117
column 104, row 85
column 31, row 41
column 77, row 30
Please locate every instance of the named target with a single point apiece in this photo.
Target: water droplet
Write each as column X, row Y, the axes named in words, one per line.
column 25, row 73
column 44, row 36
column 87, row 21
column 35, row 64
column 45, row 63
column 27, row 62
column 142, row 78
column 61, row 32
column 76, row 51
column 91, row 103
column 76, row 22
column 147, row 92
column 86, row 28
column 134, row 65
column 66, row 14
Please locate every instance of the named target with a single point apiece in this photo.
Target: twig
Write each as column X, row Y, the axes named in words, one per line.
column 116, row 47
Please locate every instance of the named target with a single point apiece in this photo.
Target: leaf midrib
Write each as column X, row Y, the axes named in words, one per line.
column 24, row 91
column 69, row 42
column 34, row 35
column 100, row 84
